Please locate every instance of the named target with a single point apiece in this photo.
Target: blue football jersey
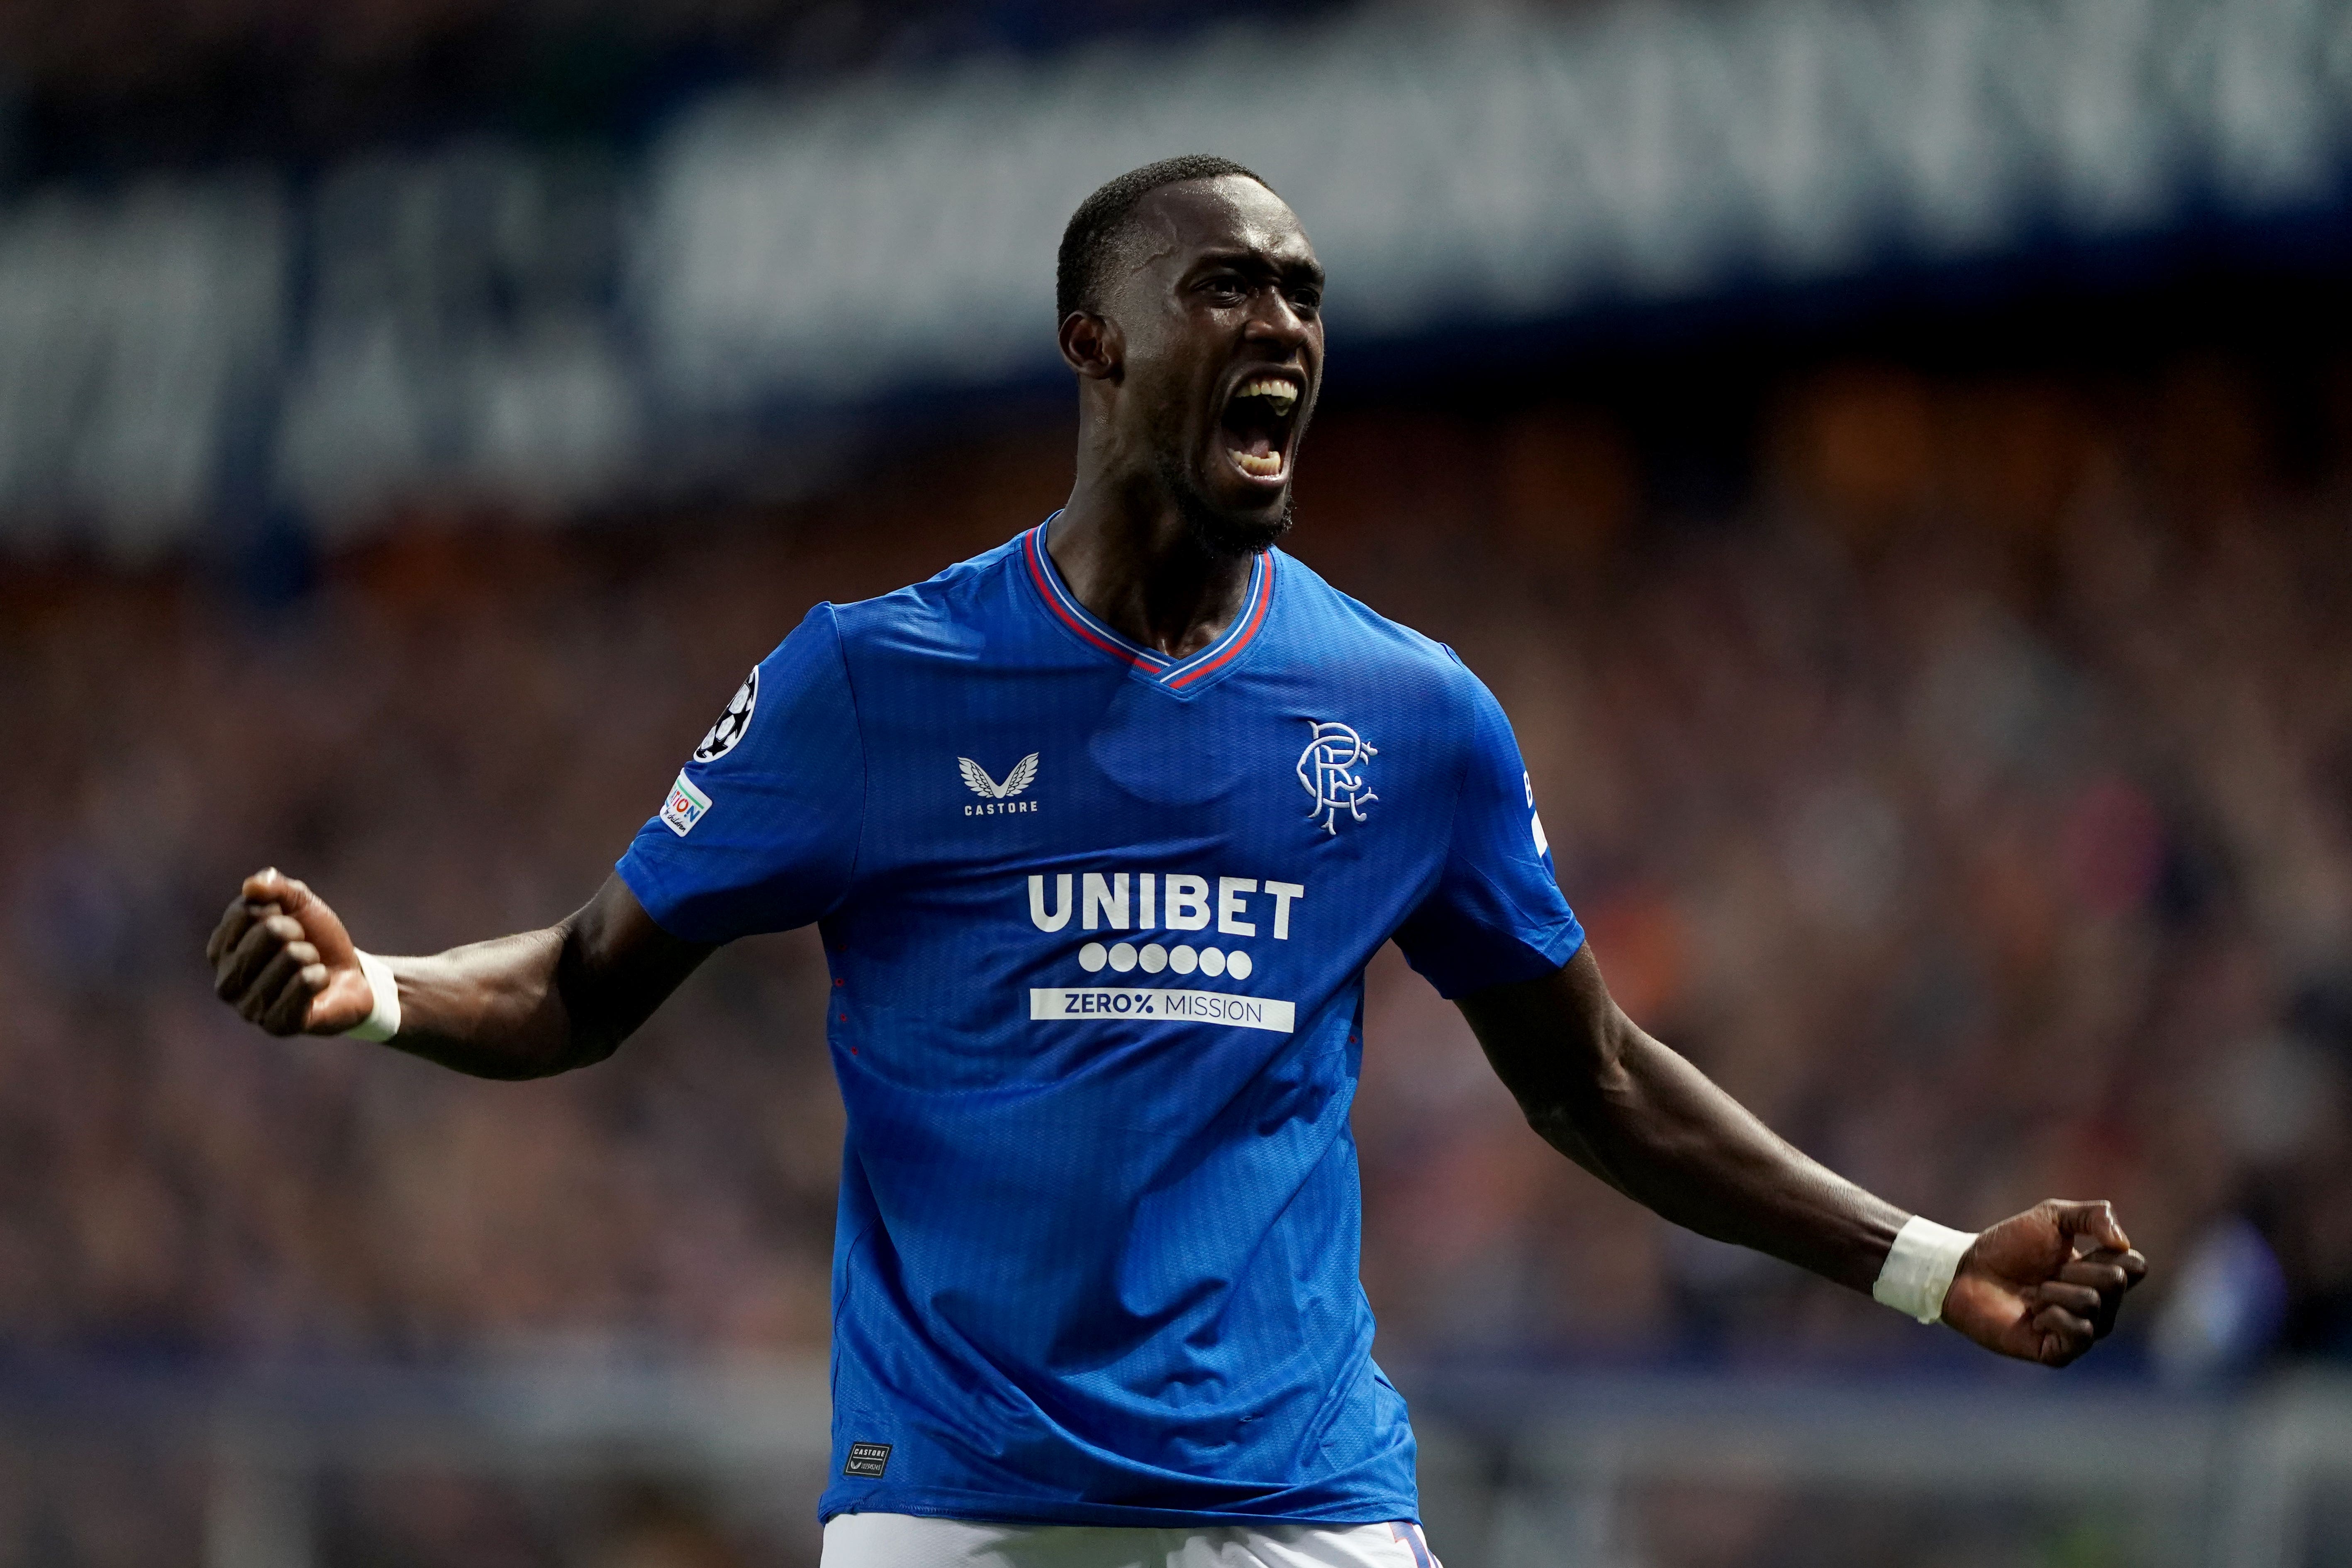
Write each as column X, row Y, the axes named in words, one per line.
column 1098, row 921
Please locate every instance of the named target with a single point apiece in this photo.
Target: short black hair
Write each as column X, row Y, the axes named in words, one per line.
column 1095, row 228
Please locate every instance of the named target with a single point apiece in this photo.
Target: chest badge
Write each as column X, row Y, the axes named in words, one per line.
column 1330, row 770
column 998, row 798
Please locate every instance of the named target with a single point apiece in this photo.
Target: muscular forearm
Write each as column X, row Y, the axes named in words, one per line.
column 520, row 1007
column 494, row 1009
column 1658, row 1130
column 1642, row 1119
column 545, row 1001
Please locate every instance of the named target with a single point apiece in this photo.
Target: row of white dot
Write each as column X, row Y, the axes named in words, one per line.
column 1153, row 958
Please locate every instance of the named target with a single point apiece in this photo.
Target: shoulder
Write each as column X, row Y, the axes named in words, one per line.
column 1334, row 625
column 949, row 613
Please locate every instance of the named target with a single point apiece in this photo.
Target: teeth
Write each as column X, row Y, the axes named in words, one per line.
column 1274, row 389
column 1264, row 468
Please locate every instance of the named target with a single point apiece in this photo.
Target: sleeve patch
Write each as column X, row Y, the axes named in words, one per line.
column 722, row 736
column 685, row 806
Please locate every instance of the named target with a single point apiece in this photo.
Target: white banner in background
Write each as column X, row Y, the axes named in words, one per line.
column 1453, row 166
column 485, row 318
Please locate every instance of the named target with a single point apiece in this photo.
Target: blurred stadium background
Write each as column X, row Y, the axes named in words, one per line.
column 1893, row 457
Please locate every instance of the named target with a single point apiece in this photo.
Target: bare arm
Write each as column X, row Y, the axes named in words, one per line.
column 518, row 1006
column 1641, row 1118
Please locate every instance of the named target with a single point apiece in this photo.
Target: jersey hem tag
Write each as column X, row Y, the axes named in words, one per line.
column 867, row 1459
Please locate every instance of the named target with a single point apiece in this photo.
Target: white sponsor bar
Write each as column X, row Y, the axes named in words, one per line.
column 1087, row 1004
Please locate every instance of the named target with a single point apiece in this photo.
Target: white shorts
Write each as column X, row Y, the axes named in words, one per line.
column 903, row 1541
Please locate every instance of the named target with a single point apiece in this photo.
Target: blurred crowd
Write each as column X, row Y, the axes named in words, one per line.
column 99, row 86
column 1974, row 800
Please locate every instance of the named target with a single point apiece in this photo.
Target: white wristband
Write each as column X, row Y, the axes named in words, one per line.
column 1919, row 1268
column 384, row 1021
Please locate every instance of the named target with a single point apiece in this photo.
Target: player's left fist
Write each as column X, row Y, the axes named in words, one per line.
column 2045, row 1285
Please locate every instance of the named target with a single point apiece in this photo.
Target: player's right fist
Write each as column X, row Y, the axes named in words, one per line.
column 283, row 960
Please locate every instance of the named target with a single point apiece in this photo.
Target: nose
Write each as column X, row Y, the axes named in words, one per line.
column 1273, row 319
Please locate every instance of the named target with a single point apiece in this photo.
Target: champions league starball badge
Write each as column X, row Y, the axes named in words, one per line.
column 722, row 736
column 1329, row 768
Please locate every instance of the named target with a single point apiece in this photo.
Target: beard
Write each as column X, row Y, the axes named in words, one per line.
column 1219, row 533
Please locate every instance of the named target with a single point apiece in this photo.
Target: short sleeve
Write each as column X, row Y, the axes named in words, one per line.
column 759, row 829
column 1496, row 914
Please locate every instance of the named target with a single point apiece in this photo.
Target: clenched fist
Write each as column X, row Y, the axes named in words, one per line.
column 2045, row 1284
column 283, row 960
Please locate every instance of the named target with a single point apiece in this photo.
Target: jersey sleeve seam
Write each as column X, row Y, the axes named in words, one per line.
column 865, row 773
column 1466, row 758
column 1505, row 896
column 1445, row 865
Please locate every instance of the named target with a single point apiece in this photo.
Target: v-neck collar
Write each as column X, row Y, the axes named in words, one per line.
column 1180, row 676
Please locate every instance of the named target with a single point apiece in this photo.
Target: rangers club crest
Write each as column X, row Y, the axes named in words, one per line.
column 1330, row 770
column 731, row 724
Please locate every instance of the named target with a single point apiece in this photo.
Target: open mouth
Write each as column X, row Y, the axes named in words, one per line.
column 1257, row 423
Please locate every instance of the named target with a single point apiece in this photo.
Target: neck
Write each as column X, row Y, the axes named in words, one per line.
column 1127, row 552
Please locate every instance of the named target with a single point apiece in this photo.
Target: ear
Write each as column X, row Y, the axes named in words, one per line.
column 1092, row 345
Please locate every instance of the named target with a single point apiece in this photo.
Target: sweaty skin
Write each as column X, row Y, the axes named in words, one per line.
column 1224, row 287
column 1219, row 286
column 526, row 1005
column 1643, row 1119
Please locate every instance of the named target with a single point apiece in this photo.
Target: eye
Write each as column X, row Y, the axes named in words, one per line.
column 1225, row 289
column 1307, row 300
